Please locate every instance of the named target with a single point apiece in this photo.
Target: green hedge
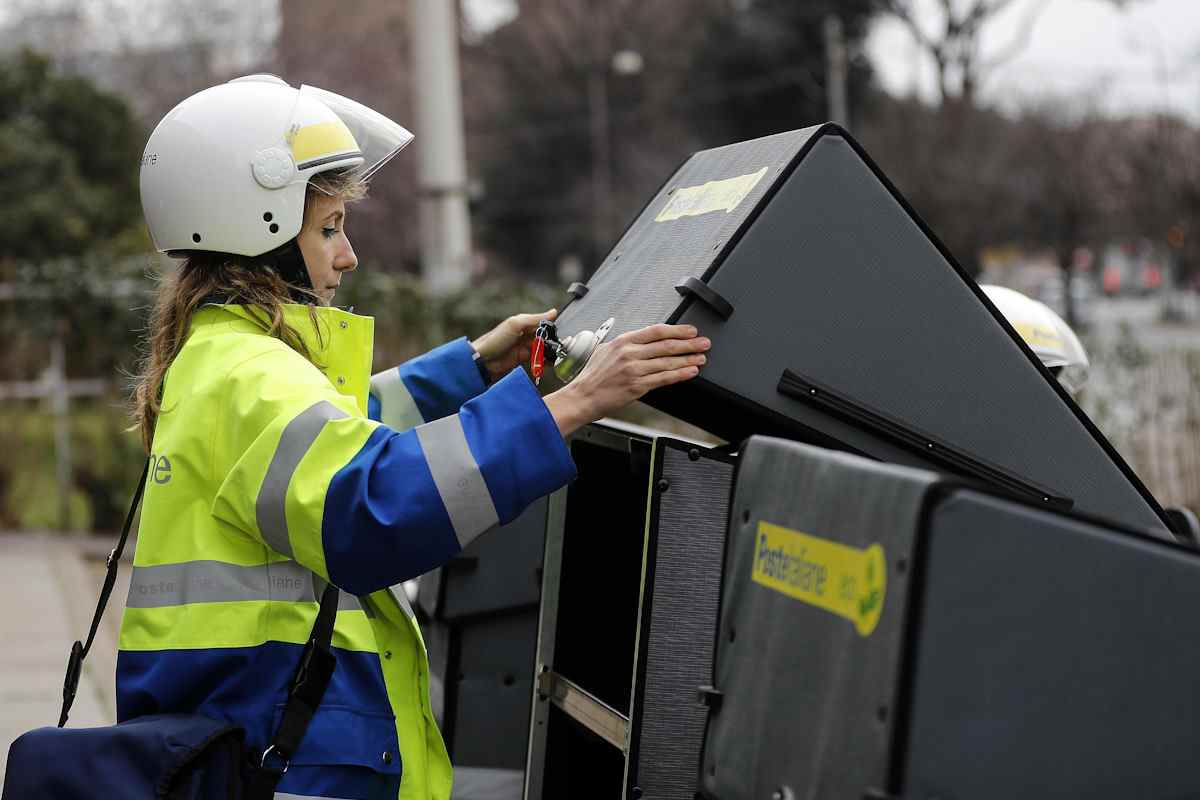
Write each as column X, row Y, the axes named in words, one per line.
column 102, row 341
column 106, row 461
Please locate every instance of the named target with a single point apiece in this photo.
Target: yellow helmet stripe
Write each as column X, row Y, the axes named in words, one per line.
column 321, row 140
column 1038, row 335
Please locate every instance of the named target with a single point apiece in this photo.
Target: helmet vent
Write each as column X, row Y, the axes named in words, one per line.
column 196, row 238
column 274, row 228
column 267, row 216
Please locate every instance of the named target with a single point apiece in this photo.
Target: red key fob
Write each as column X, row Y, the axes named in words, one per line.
column 537, row 354
column 537, row 359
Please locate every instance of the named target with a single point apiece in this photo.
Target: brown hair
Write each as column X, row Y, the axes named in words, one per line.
column 234, row 279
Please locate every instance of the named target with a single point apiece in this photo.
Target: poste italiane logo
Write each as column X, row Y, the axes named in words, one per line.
column 843, row 580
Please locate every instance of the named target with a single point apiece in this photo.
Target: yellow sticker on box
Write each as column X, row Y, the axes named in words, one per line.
column 724, row 195
column 843, row 580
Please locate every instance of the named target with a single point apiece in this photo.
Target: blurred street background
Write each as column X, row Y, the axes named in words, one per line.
column 1053, row 146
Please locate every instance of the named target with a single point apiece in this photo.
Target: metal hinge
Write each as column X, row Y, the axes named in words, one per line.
column 599, row 718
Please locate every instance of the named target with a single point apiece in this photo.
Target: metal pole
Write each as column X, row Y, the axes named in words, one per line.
column 835, row 68
column 60, row 403
column 601, row 156
column 441, row 161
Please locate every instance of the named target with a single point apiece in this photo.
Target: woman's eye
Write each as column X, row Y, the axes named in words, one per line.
column 329, row 233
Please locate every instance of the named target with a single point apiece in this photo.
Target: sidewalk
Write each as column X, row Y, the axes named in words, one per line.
column 48, row 590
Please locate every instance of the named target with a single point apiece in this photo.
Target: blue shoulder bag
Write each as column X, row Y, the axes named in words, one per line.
column 170, row 756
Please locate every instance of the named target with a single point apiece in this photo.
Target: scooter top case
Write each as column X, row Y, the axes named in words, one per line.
column 837, row 318
column 888, row 632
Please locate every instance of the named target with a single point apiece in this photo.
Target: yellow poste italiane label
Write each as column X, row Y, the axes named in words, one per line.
column 843, row 580
column 724, row 195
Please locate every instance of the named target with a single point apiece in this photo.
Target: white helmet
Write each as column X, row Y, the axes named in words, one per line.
column 1048, row 336
column 226, row 169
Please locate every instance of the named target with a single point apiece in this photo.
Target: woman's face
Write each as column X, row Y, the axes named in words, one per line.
column 323, row 243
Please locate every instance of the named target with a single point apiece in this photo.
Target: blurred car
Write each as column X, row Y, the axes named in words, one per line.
column 1083, row 293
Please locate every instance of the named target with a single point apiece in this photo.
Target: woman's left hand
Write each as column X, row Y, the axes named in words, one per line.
column 507, row 345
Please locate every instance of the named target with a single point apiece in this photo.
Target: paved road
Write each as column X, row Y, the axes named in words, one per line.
column 48, row 590
column 1143, row 315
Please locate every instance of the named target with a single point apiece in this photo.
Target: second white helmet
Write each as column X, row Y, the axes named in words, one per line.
column 1047, row 334
column 226, row 169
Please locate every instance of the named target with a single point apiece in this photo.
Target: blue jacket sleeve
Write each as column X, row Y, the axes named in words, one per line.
column 408, row 502
column 425, row 388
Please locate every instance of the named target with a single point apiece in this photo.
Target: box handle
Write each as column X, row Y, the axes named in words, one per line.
column 694, row 287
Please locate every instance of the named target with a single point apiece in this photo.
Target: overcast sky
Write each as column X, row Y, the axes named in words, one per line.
column 1144, row 58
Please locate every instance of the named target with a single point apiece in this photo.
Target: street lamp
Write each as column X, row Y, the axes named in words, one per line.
column 625, row 63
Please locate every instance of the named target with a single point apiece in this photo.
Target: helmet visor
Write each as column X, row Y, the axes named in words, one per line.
column 378, row 138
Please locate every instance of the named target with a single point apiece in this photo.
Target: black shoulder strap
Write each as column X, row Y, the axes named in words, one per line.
column 317, row 663
column 79, row 650
column 308, row 687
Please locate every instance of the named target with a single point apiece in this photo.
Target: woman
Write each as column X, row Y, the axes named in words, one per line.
column 280, row 464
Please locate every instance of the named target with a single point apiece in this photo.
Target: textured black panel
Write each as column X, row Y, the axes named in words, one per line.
column 635, row 283
column 681, row 622
column 881, row 316
column 632, row 592
column 809, row 699
column 1056, row 659
column 831, row 276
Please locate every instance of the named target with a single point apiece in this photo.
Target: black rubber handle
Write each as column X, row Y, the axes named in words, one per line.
column 694, row 287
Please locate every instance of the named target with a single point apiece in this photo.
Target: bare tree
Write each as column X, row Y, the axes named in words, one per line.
column 1064, row 166
column 1157, row 187
column 364, row 55
column 153, row 52
column 568, row 142
column 953, row 39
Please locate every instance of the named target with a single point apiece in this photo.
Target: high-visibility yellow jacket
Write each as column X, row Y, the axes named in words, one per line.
column 270, row 477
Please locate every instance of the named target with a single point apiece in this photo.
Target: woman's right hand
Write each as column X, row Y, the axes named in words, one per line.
column 624, row 369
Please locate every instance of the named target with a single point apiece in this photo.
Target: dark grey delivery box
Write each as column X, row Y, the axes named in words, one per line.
column 887, row 634
column 839, row 319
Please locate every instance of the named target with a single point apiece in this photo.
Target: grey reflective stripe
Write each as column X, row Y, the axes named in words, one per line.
column 218, row 582
column 346, row 601
column 271, row 507
column 458, row 478
column 401, row 596
column 397, row 408
column 290, row 796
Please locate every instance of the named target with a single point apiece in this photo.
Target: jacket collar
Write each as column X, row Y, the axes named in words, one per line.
column 340, row 344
